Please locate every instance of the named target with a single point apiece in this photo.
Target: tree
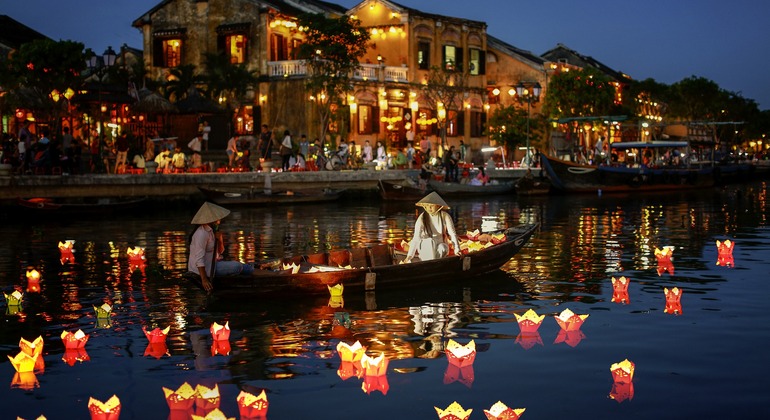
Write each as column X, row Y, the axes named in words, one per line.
column 332, row 49
column 182, row 81
column 228, row 80
column 508, row 127
column 445, row 88
column 696, row 99
column 579, row 93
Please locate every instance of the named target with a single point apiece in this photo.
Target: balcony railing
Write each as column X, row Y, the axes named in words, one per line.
column 367, row 72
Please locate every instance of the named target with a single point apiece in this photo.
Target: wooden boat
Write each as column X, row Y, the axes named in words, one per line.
column 401, row 191
column 568, row 176
column 91, row 205
column 258, row 197
column 458, row 189
column 528, row 185
column 374, row 267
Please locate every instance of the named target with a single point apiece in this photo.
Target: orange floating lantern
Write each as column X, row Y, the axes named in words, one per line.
column 32, row 348
column 375, row 383
column 673, row 301
column 108, row 410
column 500, row 411
column 104, row 311
column 214, row 414
column 182, row 399
column 350, row 353
column 374, row 366
column 460, row 355
column 530, row 321
column 570, row 321
column 454, row 412
column 527, row 340
column 25, row 380
column 620, row 290
column 14, row 298
column 250, row 406
column 76, row 340
column 156, row 335
column 33, row 280
column 71, row 356
column 156, row 350
column 220, row 332
column 23, row 362
column 623, row 372
column 622, row 391
column 206, row 399
column 571, row 338
column 348, row 370
column 66, row 251
column 465, row 375
column 665, row 253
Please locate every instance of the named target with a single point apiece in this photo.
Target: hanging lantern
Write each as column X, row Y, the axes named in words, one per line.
column 250, row 406
column 156, row 335
column 207, row 399
column 220, row 332
column 569, row 321
column 623, row 372
column 500, row 411
column 181, row 399
column 530, row 321
column 75, row 355
column 76, row 340
column 108, row 410
column 460, row 355
column 350, row 353
column 527, row 340
column 454, row 412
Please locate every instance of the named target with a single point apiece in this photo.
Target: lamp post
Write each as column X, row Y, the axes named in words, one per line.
column 99, row 69
column 441, row 115
column 529, row 92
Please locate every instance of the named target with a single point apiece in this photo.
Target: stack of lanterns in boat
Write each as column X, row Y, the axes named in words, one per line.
column 471, row 241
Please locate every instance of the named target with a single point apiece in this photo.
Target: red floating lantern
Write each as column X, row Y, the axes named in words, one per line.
column 156, row 335
column 725, row 253
column 530, row 321
column 183, row 399
column 460, row 355
column 75, row 355
column 220, row 332
column 375, row 383
column 500, row 411
column 108, row 410
column 623, row 372
column 206, row 399
column 464, row 375
column 570, row 321
column 620, row 290
column 221, row 347
column 664, row 254
column 67, row 252
column 76, row 340
column 673, row 301
column 33, row 280
column 252, row 407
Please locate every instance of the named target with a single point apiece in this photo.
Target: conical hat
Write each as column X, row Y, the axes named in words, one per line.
column 209, row 213
column 433, row 198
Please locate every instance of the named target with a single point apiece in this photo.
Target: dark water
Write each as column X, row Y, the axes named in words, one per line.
column 707, row 362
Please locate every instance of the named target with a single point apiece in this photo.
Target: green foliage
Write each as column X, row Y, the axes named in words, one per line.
column 224, row 78
column 508, row 126
column 183, row 81
column 579, row 93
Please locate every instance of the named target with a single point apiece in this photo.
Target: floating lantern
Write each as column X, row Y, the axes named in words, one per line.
column 220, row 332
column 76, row 340
column 23, row 362
column 66, row 252
column 527, row 340
column 374, row 366
column 71, row 356
column 206, row 399
column 156, row 335
column 32, row 348
column 103, row 323
column 104, row 311
column 570, row 321
column 665, row 266
column 293, row 267
column 623, row 372
column 181, row 399
column 33, row 280
column 622, row 391
column 464, row 375
column 336, row 290
column 108, row 410
column 221, row 347
column 460, row 355
column 375, row 383
column 348, row 370
column 725, row 253
column 530, row 321
column 215, row 414
column 571, row 338
column 500, row 411
column 250, row 406
column 620, row 290
column 14, row 298
column 673, row 301
column 454, row 412
column 156, row 350
column 350, row 353
column 664, row 254
column 136, row 260
column 25, row 380
column 336, row 302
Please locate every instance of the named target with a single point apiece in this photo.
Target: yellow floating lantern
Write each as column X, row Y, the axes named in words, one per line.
column 500, row 411
column 181, row 399
column 530, row 321
column 453, row 412
column 350, row 353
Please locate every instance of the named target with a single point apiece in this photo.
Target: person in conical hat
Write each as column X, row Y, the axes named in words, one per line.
column 432, row 229
column 207, row 246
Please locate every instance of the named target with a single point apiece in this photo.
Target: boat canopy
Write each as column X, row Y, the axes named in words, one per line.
column 647, row 144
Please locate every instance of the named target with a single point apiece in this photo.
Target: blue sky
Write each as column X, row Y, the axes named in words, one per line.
column 727, row 42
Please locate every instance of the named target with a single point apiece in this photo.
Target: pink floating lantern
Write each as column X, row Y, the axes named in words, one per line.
column 570, row 321
column 156, row 335
column 76, row 340
column 530, row 321
column 461, row 355
column 500, row 411
column 252, row 407
column 453, row 412
column 220, row 332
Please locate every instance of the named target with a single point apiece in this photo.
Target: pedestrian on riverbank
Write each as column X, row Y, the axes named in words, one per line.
column 287, row 149
column 121, row 146
column 232, row 150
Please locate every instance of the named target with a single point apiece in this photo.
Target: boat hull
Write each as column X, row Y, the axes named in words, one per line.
column 394, row 191
column 79, row 206
column 464, row 190
column 257, row 198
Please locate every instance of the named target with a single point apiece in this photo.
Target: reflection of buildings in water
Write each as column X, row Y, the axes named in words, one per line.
column 435, row 322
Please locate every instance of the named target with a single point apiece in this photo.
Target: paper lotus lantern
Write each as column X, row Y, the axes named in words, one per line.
column 350, row 353
column 221, row 347
column 461, row 355
column 206, row 399
column 136, row 253
column 74, row 340
column 181, row 399
column 454, row 412
column 473, row 236
column 530, row 321
column 374, row 366
column 622, row 391
column 220, row 332
column 14, row 298
column 570, row 321
column 348, row 370
column 32, row 348
column 103, row 323
column 725, row 253
column 71, row 356
column 665, row 267
column 104, row 311
column 156, row 350
column 500, row 411
column 623, row 372
column 215, row 414
column 527, row 340
column 66, row 252
column 23, row 362
column 336, row 290
column 25, row 380
column 108, row 410
column 664, row 254
column 250, row 406
column 375, row 383
column 673, row 301
column 465, row 375
column 336, row 302
column 294, row 268
column 33, row 280
column 497, row 238
column 571, row 338
column 620, row 290
column 156, row 335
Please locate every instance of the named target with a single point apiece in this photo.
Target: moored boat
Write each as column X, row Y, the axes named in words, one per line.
column 401, row 191
column 460, row 189
column 376, row 267
column 234, row 196
column 91, row 205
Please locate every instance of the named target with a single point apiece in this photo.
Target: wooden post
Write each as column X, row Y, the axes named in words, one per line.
column 370, row 281
column 466, row 263
column 371, row 302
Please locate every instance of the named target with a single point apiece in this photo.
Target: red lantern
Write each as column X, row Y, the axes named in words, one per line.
column 527, row 340
column 530, row 321
column 623, row 372
column 570, row 321
column 460, row 355
column 620, row 290
column 664, row 254
column 183, row 399
column 665, row 266
column 67, row 252
column 673, row 301
column 221, row 347
column 33, row 280
column 500, row 411
column 156, row 335
column 76, row 340
column 725, row 253
column 108, row 410
column 251, row 407
column 220, row 332
column 206, row 399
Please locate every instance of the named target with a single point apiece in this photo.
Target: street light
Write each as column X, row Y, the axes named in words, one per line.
column 529, row 92
column 99, row 69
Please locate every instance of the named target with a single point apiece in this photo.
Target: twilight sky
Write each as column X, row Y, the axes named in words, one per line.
column 667, row 40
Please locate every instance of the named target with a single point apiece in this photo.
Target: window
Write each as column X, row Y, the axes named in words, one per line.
column 279, row 48
column 235, row 48
column 167, row 52
column 476, row 62
column 454, row 123
column 368, row 120
column 453, row 58
column 423, row 55
column 478, row 123
column 232, row 41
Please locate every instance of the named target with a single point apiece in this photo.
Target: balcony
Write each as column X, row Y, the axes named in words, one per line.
column 288, row 68
column 367, row 72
